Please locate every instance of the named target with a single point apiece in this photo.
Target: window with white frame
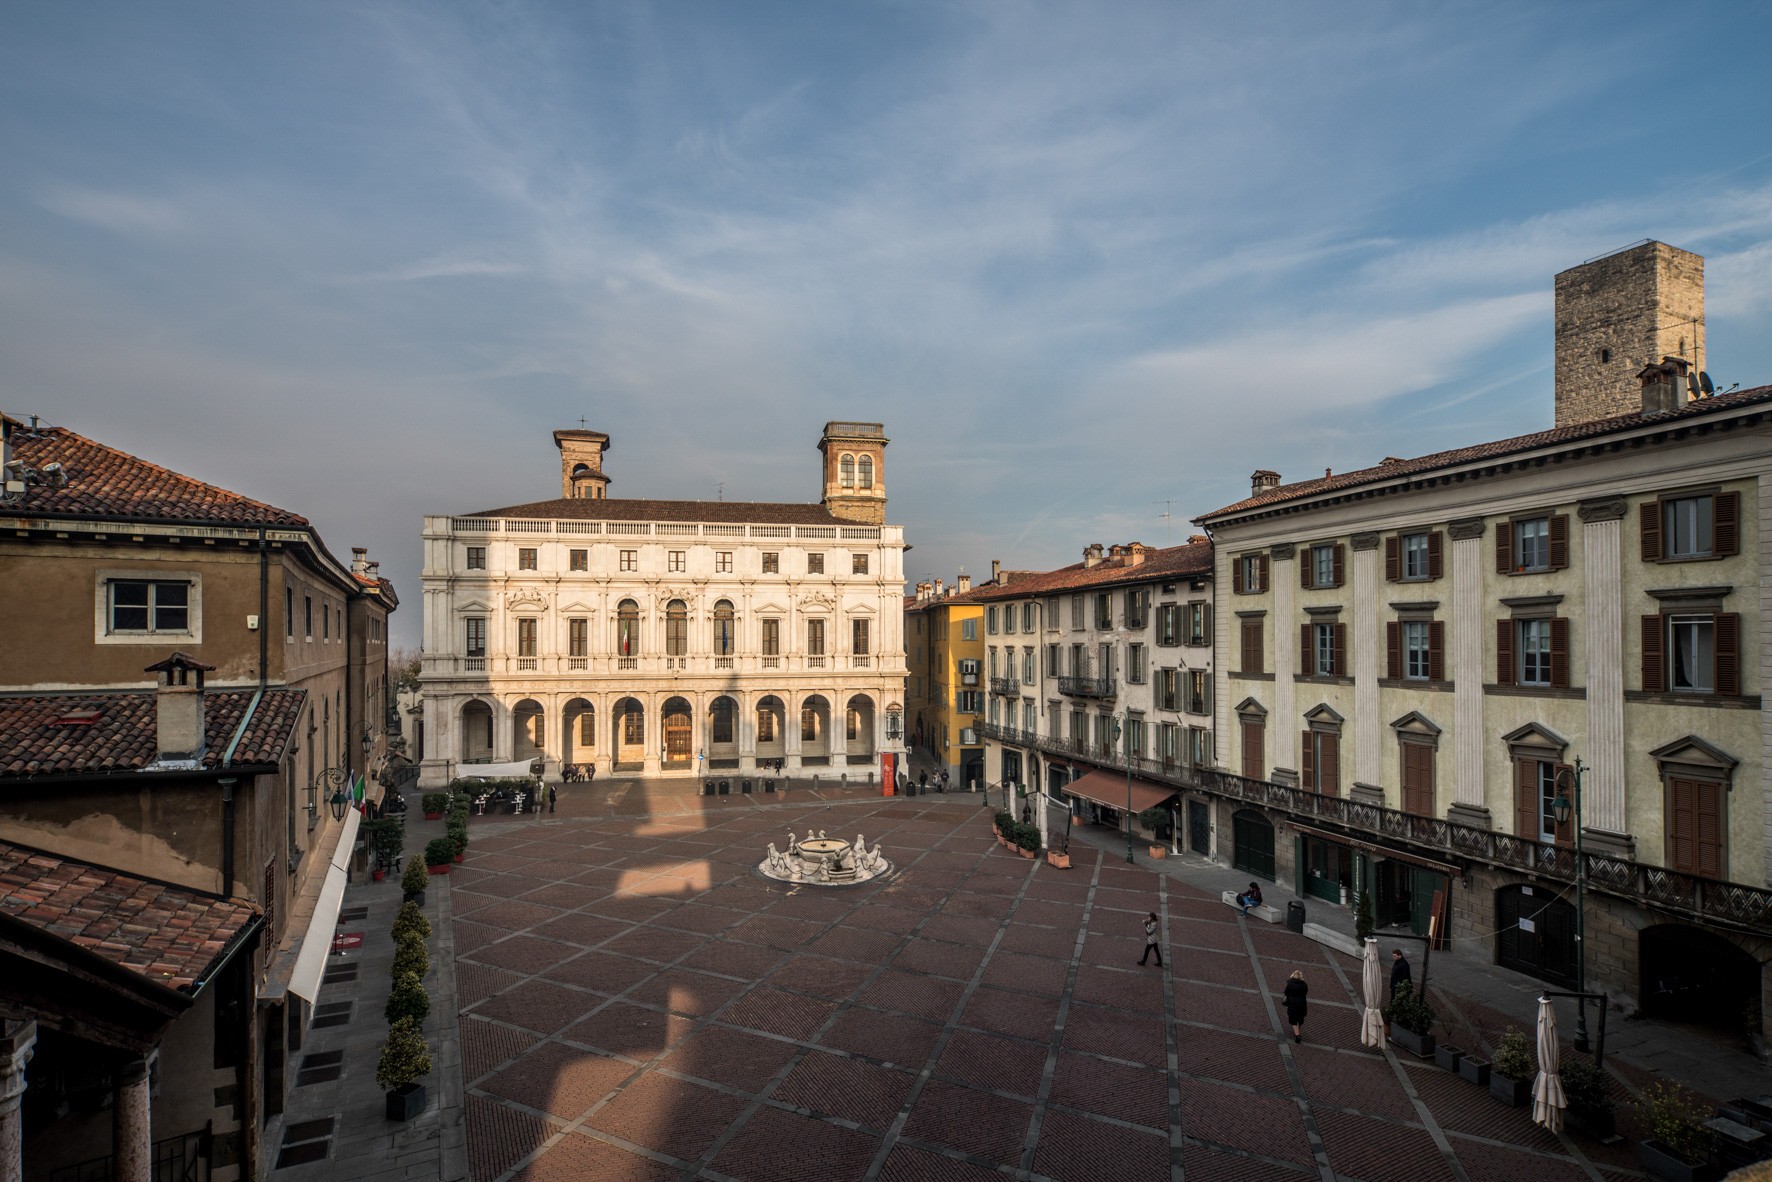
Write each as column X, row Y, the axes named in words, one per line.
column 1691, row 650
column 1417, row 652
column 148, row 607
column 526, row 558
column 677, row 561
column 771, row 562
column 630, row 560
column 1027, row 617
column 968, row 701
column 1415, row 556
column 1027, row 666
column 1535, row 652
column 474, row 636
column 1135, row 664
column 969, row 629
column 990, row 619
column 722, row 562
column 1532, row 544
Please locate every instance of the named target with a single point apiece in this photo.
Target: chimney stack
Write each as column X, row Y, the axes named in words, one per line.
column 1092, row 555
column 1262, row 481
column 178, row 709
column 996, row 569
column 359, row 559
column 1135, row 552
column 963, row 584
column 941, row 591
column 1664, row 385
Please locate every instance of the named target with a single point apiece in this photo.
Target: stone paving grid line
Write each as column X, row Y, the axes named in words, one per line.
column 1171, row 1039
column 1044, row 1098
column 1311, row 1129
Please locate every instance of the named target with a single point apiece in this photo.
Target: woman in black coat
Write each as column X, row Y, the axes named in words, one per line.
column 1297, row 1004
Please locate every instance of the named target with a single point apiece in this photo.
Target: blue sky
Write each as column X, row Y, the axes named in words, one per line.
column 360, row 259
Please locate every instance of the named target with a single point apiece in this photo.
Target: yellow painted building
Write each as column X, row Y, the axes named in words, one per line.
column 944, row 639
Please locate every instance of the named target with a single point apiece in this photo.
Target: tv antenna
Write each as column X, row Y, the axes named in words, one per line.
column 721, row 493
column 1167, row 518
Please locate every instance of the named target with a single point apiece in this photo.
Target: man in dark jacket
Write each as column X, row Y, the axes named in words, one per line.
column 1399, row 970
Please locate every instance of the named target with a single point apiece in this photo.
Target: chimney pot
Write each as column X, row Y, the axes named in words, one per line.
column 1092, row 555
column 178, row 708
column 1664, row 385
column 1262, row 480
column 963, row 583
column 996, row 569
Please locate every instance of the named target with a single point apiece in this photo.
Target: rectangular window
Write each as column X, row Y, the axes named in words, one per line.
column 815, row 564
column 1691, row 654
column 858, row 564
column 1168, row 689
column 1104, row 611
column 476, row 558
column 1197, row 692
column 307, row 605
column 1197, row 615
column 969, row 629
column 1323, row 649
column 969, row 671
column 1076, row 613
column 1169, row 624
column 630, row 560
column 1415, row 556
column 722, row 562
column 1106, row 672
column 1687, row 522
column 1322, row 566
column 526, row 558
column 771, row 637
column 771, row 562
column 1138, row 608
column 1134, row 736
column 526, row 636
column 1532, row 544
column 1078, row 667
column 326, row 620
column 815, row 638
column 1051, row 669
column 289, row 612
column 677, row 561
column 475, row 638
column 858, row 638
column 968, row 701
column 1535, row 652
column 578, row 559
column 1251, row 655
column 1029, row 719
column 1416, row 654
column 578, row 632
column 150, row 607
column 1169, row 742
column 1249, row 575
column 1027, row 666
column 990, row 619
column 1135, row 664
column 1200, row 742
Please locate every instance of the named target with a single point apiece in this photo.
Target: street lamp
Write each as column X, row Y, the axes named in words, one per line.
column 337, row 802
column 1567, row 803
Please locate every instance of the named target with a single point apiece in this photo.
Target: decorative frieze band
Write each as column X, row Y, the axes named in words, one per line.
column 1465, row 528
column 1602, row 509
column 1283, row 550
column 1366, row 541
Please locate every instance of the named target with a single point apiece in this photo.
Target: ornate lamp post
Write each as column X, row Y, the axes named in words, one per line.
column 1126, row 754
column 1567, row 803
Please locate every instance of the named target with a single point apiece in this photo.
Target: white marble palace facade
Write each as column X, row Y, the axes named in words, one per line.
column 669, row 638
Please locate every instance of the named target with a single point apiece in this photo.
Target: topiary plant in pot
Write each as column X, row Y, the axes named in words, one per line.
column 410, row 919
column 433, row 804
column 457, row 834
column 1411, row 1021
column 413, row 881
column 410, row 957
column 1510, row 1079
column 1678, row 1146
column 1589, row 1092
column 408, row 999
column 404, row 1057
column 439, row 853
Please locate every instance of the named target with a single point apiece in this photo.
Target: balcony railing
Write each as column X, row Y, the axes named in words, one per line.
column 1086, row 687
column 1008, row 734
column 1005, row 685
column 859, row 661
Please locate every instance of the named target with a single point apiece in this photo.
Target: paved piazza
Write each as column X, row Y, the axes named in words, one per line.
column 638, row 1004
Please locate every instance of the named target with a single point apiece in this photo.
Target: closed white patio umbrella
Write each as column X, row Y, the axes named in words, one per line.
column 1548, row 1100
column 1372, row 980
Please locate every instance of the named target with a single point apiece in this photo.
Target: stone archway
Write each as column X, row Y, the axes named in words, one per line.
column 858, row 726
column 528, row 730
column 476, row 732
column 771, row 727
column 1694, row 975
column 815, row 729
column 628, row 737
column 678, row 726
column 578, row 732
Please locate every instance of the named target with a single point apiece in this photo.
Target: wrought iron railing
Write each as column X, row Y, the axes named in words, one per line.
column 183, row 1158
column 1086, row 687
column 1005, row 685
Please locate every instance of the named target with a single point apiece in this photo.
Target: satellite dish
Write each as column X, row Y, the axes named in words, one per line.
column 1704, row 384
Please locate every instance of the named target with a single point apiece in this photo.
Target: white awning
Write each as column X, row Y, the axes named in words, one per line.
column 496, row 771
column 310, row 962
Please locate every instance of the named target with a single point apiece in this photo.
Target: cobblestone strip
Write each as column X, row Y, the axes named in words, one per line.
column 452, row 1088
column 1402, row 1073
column 1171, row 1037
column 1312, row 1133
column 1044, row 1099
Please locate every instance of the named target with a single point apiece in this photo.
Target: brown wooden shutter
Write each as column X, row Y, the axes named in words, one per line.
column 1261, row 566
column 1330, row 773
column 1504, row 547
column 1418, row 779
column 1504, row 653
column 1237, row 587
column 1206, row 623
column 1526, row 798
column 1338, row 649
column 1307, row 664
column 1307, row 568
column 1436, row 555
column 1436, row 650
column 1559, row 541
column 1338, row 563
column 1654, row 668
column 1393, row 559
column 1559, row 652
column 1393, row 650
column 1680, row 825
column 1707, row 809
column 1650, row 530
column 1725, row 526
column 1565, row 783
column 1254, row 757
column 1727, row 639
column 1308, row 763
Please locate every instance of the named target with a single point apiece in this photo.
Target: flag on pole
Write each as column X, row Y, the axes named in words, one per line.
column 362, row 789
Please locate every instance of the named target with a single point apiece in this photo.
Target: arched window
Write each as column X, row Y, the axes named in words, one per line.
column 723, row 638
column 676, row 628
column 721, row 717
column 627, row 629
column 846, row 471
column 865, row 472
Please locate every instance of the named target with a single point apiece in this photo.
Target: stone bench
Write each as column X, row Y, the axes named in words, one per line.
column 1333, row 939
column 1263, row 912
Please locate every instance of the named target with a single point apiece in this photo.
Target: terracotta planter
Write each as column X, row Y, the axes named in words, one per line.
column 1060, row 861
column 1028, row 854
column 443, row 869
column 1159, row 851
column 377, row 875
column 433, row 816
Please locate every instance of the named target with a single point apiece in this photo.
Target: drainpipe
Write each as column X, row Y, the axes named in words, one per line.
column 264, row 607
column 227, row 787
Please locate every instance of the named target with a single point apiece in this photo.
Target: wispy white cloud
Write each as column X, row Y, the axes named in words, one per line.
column 122, row 213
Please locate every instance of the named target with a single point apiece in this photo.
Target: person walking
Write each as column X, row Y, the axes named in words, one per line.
column 1400, row 971
column 1150, row 941
column 553, row 795
column 590, row 771
column 1297, row 1003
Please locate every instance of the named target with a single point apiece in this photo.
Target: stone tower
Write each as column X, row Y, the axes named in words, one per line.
column 581, row 464
column 1620, row 313
column 855, row 471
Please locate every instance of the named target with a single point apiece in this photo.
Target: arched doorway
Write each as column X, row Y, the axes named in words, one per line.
column 1535, row 933
column 1691, row 975
column 722, row 728
column 528, row 730
column 1252, row 848
column 858, row 729
column 815, row 730
column 771, row 728
column 579, row 732
column 476, row 732
column 679, row 733
column 629, row 720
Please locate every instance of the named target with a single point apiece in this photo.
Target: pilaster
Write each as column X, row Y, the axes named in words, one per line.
column 132, row 1137
column 1602, row 788
column 1364, row 613
column 1764, row 688
column 18, row 1041
column 1470, row 804
column 1283, row 579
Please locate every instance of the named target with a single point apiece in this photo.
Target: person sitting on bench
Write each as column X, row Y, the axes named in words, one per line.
column 1249, row 898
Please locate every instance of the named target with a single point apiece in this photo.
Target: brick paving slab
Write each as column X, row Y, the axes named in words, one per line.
column 905, row 1042
column 1343, row 1080
column 778, row 1146
column 500, row 1136
column 848, row 1088
column 1136, row 1094
column 558, row 1079
column 1253, row 1122
column 1208, row 1165
column 821, row 976
column 602, row 971
column 672, row 1116
column 477, row 982
column 541, row 1006
column 487, row 1045
column 776, row 1011
column 1076, row 1149
column 730, row 1057
column 523, row 954
column 906, row 1164
column 582, row 930
column 913, row 993
column 578, row 1158
column 685, row 991
column 1137, row 1038
column 993, row 1062
column 989, row 1128
column 623, row 1029
column 1378, row 1151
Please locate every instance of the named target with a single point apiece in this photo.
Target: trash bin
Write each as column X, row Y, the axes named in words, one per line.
column 769, row 785
column 707, row 787
column 747, row 787
column 725, row 788
column 1295, row 916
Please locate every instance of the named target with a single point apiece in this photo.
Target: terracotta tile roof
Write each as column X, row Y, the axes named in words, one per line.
column 170, row 935
column 1190, row 558
column 750, row 512
column 115, row 732
column 104, row 482
column 1569, row 433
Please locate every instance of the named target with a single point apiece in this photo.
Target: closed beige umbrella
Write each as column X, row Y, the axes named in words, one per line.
column 1372, row 980
column 1548, row 1100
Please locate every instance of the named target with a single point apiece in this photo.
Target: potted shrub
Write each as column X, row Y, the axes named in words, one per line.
column 1474, row 1069
column 1157, row 821
column 1027, row 839
column 1411, row 1021
column 1363, row 922
column 1446, row 1057
column 1003, row 826
column 410, row 957
column 1590, row 1099
column 404, row 1057
column 1511, row 1080
column 457, row 835
column 1057, row 860
column 1678, row 1146
column 413, row 880
column 433, row 804
column 411, row 919
column 439, row 853
column 407, row 999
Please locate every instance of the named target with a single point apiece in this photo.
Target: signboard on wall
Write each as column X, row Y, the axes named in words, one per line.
column 888, row 773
